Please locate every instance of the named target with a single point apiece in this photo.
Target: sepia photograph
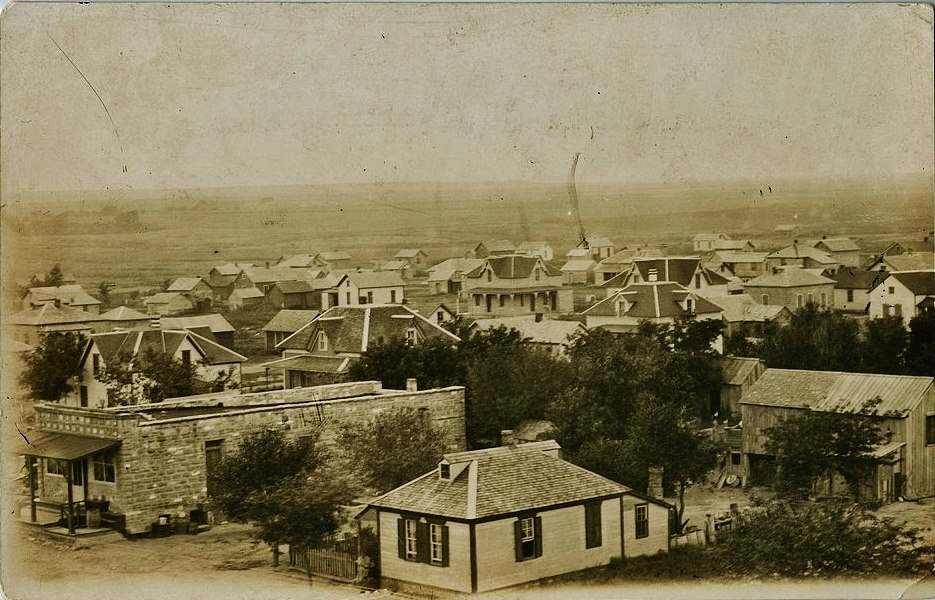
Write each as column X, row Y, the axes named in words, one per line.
column 453, row 300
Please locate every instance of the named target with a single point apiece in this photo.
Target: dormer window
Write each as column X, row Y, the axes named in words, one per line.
column 322, row 342
column 411, row 336
column 444, row 471
column 537, row 274
column 690, row 305
column 489, row 276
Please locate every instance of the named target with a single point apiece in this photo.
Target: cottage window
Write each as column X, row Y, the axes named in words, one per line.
column 886, row 310
column 811, row 298
column 698, row 280
column 592, row 525
column 824, row 298
column 476, row 299
column 690, row 305
column 735, row 458
column 440, row 316
column 537, row 274
column 83, row 395
column 930, row 429
column 322, row 342
column 56, row 467
column 411, row 336
column 850, row 295
column 436, row 536
column 105, row 466
column 765, row 298
column 528, row 538
column 798, row 300
column 412, row 539
column 642, row 520
column 489, row 276
column 95, row 364
column 444, row 471
column 187, row 357
column 347, row 297
column 392, row 296
column 891, row 289
column 212, row 458
column 369, row 297
column 898, row 310
column 502, row 301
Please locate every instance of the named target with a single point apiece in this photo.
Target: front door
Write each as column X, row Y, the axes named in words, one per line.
column 79, row 471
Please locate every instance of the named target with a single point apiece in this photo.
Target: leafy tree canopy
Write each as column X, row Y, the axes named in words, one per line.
column 815, row 445
column 288, row 488
column 51, row 364
column 155, row 376
column 393, row 448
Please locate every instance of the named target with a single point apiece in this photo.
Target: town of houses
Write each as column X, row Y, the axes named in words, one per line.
column 327, row 308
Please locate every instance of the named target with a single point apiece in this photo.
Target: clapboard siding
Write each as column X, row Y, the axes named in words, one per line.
column 456, row 576
column 920, row 457
column 658, row 539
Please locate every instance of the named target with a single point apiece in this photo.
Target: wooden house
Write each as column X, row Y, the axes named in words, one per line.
column 844, row 251
column 600, row 247
column 687, row 271
column 168, row 303
column 908, row 261
column 492, row 248
column 745, row 265
column 212, row 326
column 294, row 294
column 416, row 258
column 621, row 261
column 706, row 242
column 364, row 287
column 489, row 519
column 579, row 271
column 905, row 413
column 30, row 326
column 63, row 295
column 333, row 259
column 799, row 254
column 193, row 288
column 541, row 249
column 791, row 287
column 322, row 351
column 852, row 288
column 743, row 313
column 737, row 376
column 903, row 294
column 447, row 276
column 552, row 335
column 242, row 298
column 515, row 285
column 209, row 358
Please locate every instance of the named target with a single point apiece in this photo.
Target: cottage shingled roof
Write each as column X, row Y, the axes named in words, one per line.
column 732, row 257
column 394, row 265
column 577, row 265
column 599, row 242
column 736, row 369
column 509, row 479
column 164, row 341
column 654, row 299
column 294, row 287
column 838, row 244
column 49, row 314
column 835, row 391
column 915, row 261
column 67, row 294
column 374, row 279
column 214, row 322
column 290, row 320
column 408, row 253
column 627, row 255
column 800, row 250
column 330, row 255
column 788, row 278
column 184, row 284
column 297, row 261
column 513, row 266
column 163, row 298
column 447, row 269
column 250, row 292
column 313, row 363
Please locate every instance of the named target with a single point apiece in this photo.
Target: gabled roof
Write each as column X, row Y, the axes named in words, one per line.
column 231, row 268
column 678, row 269
column 835, row 391
column 914, row 261
column 395, row 265
column 849, row 278
column 513, row 266
column 545, row 331
column 165, row 341
column 497, row 246
column 735, row 369
column 599, row 242
column 330, row 255
column 214, row 322
column 123, row 313
column 250, row 292
column 408, row 253
column 164, row 298
column 294, row 287
column 313, row 363
column 373, row 279
column 275, row 274
column 352, row 329
column 290, row 320
column 67, row 294
column 732, row 257
column 447, row 269
column 509, row 480
column 578, row 253
column 49, row 314
column 578, row 265
column 655, row 299
column 184, row 284
column 800, row 250
column 742, row 308
column 920, row 283
column 710, row 237
column 788, row 277
column 626, row 256
column 837, row 244
column 297, row 261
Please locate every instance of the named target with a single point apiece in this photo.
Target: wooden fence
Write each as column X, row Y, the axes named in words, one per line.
column 262, row 382
column 328, row 563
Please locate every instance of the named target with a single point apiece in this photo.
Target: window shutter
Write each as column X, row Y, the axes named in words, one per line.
column 401, row 537
column 422, row 542
column 538, row 536
column 444, row 545
column 518, row 540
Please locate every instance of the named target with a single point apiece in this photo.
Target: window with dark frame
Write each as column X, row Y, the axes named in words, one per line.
column 930, row 429
column 436, row 543
column 212, row 458
column 412, row 539
column 53, row 466
column 642, row 520
column 528, row 538
column 96, row 364
column 421, row 541
column 592, row 525
column 105, row 466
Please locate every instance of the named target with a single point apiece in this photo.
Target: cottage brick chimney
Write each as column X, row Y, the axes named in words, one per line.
column 412, row 385
column 507, row 438
column 654, row 487
column 155, row 322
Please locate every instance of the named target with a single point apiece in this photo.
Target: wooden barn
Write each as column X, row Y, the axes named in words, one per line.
column 906, row 413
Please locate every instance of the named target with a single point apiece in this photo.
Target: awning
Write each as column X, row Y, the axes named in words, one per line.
column 313, row 364
column 62, row 446
column 886, row 449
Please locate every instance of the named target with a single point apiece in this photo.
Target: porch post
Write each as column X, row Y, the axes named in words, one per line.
column 31, row 468
column 71, row 499
column 84, row 479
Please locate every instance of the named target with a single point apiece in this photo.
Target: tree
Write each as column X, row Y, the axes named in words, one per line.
column 154, row 376
column 921, row 346
column 434, row 362
column 815, row 446
column 883, row 346
column 394, row 447
column 54, row 277
column 288, row 488
column 820, row 539
column 103, row 289
column 51, row 364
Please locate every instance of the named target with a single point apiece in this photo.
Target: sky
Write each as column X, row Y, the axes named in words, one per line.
column 207, row 95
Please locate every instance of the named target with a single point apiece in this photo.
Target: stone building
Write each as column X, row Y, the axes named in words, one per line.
column 154, row 460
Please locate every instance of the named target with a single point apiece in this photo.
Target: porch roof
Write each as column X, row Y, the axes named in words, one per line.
column 62, row 446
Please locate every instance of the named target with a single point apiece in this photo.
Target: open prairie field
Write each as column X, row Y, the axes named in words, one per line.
column 136, row 238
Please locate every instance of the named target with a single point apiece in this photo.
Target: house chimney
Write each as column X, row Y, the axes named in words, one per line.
column 155, row 322
column 538, row 317
column 654, row 487
column 412, row 385
column 506, row 438
column 653, row 275
column 824, row 237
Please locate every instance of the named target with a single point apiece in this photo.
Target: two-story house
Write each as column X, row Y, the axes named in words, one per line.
column 792, row 287
column 364, row 287
column 514, row 285
column 447, row 276
column 63, row 295
column 903, row 294
column 801, row 255
column 687, row 271
column 844, row 251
